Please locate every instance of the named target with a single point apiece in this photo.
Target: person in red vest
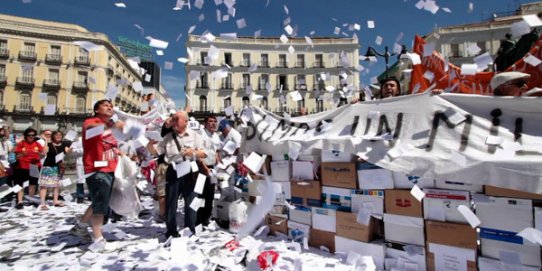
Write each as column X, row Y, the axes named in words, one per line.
column 29, row 152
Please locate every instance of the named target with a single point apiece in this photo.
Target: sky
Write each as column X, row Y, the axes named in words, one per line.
column 394, row 20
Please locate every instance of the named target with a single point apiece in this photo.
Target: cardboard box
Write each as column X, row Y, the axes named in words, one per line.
column 506, row 214
column 454, row 244
column 301, row 214
column 368, row 199
column 283, row 192
column 281, row 171
column 451, row 234
column 404, row 229
column 505, row 248
column 376, row 249
column 406, row 181
column 339, row 175
column 441, row 205
column 441, row 257
column 307, row 193
column 405, row 257
column 297, row 231
column 337, row 156
column 459, row 185
column 303, row 170
column 401, row 202
column 538, row 218
column 320, row 238
column 337, row 198
column 348, row 227
column 277, row 224
column 487, row 264
column 509, row 193
column 324, row 219
column 373, row 177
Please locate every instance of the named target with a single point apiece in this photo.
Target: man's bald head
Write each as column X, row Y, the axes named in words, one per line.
column 180, row 118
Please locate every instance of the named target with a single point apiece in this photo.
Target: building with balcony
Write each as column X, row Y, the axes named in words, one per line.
column 227, row 72
column 40, row 65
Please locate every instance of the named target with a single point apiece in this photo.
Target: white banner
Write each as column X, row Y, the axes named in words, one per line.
column 479, row 139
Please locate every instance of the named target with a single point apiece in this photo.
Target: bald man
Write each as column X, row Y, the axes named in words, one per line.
column 180, row 147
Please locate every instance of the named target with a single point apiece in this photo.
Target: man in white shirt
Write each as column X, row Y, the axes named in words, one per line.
column 180, row 148
column 228, row 134
column 212, row 145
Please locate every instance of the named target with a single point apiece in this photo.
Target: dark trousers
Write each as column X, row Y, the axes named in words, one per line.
column 174, row 187
column 80, row 191
column 204, row 214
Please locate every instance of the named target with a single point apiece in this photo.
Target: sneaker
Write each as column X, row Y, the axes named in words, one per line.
column 80, row 200
column 3, row 210
column 160, row 219
column 19, row 206
column 80, row 231
column 101, row 245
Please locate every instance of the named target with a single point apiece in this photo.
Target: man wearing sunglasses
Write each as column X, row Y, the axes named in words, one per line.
column 509, row 84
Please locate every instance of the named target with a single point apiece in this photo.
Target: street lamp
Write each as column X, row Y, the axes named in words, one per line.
column 372, row 52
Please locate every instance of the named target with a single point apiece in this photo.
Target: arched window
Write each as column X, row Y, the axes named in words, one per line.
column 246, row 101
column 264, row 103
column 202, row 103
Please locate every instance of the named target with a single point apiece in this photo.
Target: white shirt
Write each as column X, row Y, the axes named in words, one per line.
column 190, row 139
column 212, row 143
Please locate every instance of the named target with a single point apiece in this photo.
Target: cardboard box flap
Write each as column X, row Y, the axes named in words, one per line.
column 407, row 221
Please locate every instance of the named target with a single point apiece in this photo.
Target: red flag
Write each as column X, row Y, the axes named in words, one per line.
column 446, row 78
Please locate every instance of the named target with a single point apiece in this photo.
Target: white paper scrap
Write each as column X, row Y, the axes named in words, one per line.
column 467, row 213
column 417, row 193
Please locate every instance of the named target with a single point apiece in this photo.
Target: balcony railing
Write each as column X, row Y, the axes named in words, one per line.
column 300, row 64
column 4, row 53
column 25, row 81
column 54, row 59
column 203, row 85
column 244, row 63
column 82, row 60
column 227, row 85
column 264, row 64
column 318, row 86
column 318, row 64
column 300, row 86
column 281, row 64
column 79, row 85
column 3, row 80
column 284, row 86
column 27, row 56
column 23, row 108
column 262, row 86
column 78, row 110
column 52, row 83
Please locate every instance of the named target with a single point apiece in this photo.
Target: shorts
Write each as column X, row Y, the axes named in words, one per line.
column 160, row 176
column 22, row 175
column 99, row 187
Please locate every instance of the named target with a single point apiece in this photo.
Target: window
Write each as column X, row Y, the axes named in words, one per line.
column 265, row 103
column 319, row 84
column 482, row 46
column 227, row 102
column 227, row 59
column 204, row 83
column 2, row 99
column 202, row 103
column 227, row 82
column 246, row 59
column 246, row 101
column 83, row 55
column 51, row 99
column 319, row 105
column 2, row 70
column 203, row 59
column 246, row 80
column 29, row 49
column 454, row 50
column 264, row 60
column 264, row 79
column 319, row 61
column 282, row 82
column 80, row 104
column 282, row 61
column 81, row 79
column 3, row 45
column 300, row 82
column 25, row 101
column 53, row 77
column 55, row 51
column 27, row 73
column 300, row 63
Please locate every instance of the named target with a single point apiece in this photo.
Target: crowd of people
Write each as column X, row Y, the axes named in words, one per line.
column 174, row 165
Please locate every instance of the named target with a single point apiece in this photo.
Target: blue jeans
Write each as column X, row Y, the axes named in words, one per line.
column 80, row 191
column 174, row 188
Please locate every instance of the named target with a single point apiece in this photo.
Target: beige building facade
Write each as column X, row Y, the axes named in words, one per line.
column 268, row 73
column 49, row 82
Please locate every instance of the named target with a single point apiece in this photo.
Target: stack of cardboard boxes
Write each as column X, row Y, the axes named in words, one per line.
column 343, row 205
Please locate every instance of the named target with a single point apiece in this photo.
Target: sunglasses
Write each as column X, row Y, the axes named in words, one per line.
column 31, row 135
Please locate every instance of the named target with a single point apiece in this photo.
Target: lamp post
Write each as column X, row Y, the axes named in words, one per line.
column 372, row 52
